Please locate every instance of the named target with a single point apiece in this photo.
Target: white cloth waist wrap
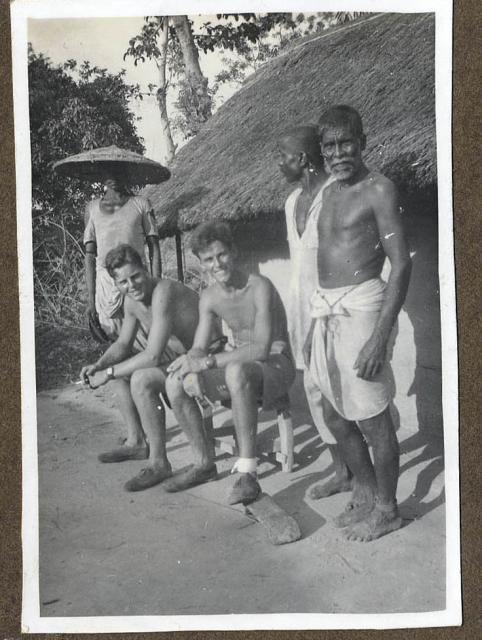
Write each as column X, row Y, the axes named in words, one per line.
column 108, row 299
column 343, row 319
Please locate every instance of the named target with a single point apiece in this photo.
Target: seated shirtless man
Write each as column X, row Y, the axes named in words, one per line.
column 256, row 367
column 154, row 310
column 353, row 313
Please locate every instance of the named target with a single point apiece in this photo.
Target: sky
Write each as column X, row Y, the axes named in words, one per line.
column 103, row 42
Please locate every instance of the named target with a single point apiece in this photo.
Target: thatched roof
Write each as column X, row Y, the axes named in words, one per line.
column 382, row 65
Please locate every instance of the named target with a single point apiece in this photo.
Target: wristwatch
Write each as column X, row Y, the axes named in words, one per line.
column 210, row 362
column 110, row 373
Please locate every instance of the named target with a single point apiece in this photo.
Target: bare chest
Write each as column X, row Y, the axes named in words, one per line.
column 237, row 311
column 144, row 315
column 346, row 213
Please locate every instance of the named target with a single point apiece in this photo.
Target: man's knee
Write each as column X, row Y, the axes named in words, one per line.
column 336, row 423
column 142, row 383
column 237, row 376
column 175, row 389
column 378, row 428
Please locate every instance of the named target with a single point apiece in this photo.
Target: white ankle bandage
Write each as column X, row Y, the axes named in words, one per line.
column 245, row 465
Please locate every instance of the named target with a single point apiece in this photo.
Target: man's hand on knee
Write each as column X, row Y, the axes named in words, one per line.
column 192, row 385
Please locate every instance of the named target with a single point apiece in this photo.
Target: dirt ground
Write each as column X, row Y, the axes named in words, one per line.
column 104, row 551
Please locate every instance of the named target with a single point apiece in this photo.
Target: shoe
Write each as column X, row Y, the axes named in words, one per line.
column 193, row 476
column 148, row 477
column 245, row 490
column 125, row 453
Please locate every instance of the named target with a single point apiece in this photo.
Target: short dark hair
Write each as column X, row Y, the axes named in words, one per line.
column 341, row 115
column 121, row 255
column 208, row 232
column 307, row 139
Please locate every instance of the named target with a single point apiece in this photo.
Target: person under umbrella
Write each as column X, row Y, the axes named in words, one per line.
column 117, row 217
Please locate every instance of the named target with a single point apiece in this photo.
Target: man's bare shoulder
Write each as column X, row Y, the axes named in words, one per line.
column 378, row 185
column 260, row 284
column 168, row 289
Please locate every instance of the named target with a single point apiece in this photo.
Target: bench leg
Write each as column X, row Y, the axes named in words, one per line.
column 285, row 426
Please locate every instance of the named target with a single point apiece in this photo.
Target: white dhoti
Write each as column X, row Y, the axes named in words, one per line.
column 343, row 320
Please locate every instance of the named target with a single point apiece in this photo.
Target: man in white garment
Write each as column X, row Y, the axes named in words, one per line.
column 301, row 162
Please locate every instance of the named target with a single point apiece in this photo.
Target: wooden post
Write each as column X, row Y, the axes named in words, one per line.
column 180, row 272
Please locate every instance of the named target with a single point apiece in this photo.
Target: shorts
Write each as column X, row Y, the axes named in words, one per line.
column 278, row 375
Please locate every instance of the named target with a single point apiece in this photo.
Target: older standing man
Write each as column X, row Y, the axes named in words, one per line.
column 354, row 312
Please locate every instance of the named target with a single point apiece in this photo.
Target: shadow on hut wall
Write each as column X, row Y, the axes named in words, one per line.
column 261, row 240
column 422, row 304
column 424, row 382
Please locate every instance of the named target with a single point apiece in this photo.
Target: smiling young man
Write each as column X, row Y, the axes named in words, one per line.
column 354, row 313
column 154, row 311
column 255, row 369
column 301, row 163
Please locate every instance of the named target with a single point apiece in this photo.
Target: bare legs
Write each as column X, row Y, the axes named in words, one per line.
column 144, row 414
column 135, row 435
column 145, row 387
column 190, row 420
column 343, row 479
column 244, row 382
column 380, row 433
column 378, row 480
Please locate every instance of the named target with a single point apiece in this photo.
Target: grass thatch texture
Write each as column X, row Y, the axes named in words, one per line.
column 382, row 65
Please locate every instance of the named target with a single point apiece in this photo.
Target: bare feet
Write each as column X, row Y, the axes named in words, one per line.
column 382, row 520
column 329, row 488
column 352, row 514
column 358, row 507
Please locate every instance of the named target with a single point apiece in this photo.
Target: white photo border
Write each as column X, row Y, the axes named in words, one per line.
column 32, row 622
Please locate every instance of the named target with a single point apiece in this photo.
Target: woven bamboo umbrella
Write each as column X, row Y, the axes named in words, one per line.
column 98, row 165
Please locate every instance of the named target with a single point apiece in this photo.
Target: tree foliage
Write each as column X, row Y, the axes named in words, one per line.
column 245, row 40
column 73, row 107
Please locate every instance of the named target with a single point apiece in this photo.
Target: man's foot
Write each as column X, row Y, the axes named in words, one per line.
column 148, row 477
column 353, row 513
column 329, row 488
column 380, row 521
column 138, row 452
column 191, row 477
column 245, row 490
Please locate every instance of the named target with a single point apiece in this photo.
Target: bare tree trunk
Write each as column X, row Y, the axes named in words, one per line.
column 168, row 146
column 197, row 82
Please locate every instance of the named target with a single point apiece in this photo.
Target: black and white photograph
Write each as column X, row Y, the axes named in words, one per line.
column 237, row 313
